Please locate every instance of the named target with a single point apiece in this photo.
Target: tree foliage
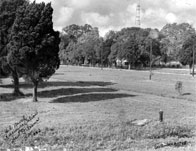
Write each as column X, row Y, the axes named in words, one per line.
column 186, row 53
column 69, row 40
column 8, row 10
column 81, row 46
column 176, row 34
column 133, row 45
column 7, row 16
column 109, row 39
column 75, row 31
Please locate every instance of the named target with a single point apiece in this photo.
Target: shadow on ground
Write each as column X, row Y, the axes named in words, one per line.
column 61, row 83
column 5, row 97
column 186, row 94
column 77, row 95
column 91, row 97
column 71, row 91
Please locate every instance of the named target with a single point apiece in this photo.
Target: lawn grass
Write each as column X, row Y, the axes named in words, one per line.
column 98, row 105
column 115, row 136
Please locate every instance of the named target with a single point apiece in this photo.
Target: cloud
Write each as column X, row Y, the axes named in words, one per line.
column 80, row 3
column 65, row 14
column 116, row 14
column 95, row 18
column 171, row 18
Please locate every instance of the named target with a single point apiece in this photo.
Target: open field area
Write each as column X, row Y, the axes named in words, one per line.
column 98, row 106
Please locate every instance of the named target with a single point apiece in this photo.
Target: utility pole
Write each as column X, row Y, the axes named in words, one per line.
column 193, row 60
column 150, row 76
column 152, row 35
column 101, row 58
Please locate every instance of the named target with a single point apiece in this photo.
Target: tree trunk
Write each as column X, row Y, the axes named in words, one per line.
column 190, row 67
column 35, row 84
column 17, row 91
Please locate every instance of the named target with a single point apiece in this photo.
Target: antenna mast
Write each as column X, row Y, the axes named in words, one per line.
column 137, row 18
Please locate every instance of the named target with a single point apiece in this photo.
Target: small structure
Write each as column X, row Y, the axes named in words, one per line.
column 121, row 62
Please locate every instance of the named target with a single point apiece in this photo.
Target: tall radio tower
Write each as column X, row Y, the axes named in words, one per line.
column 137, row 17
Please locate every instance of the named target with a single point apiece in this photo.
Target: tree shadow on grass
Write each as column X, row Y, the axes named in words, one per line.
column 60, row 83
column 7, row 97
column 91, row 97
column 56, row 93
column 71, row 91
column 184, row 94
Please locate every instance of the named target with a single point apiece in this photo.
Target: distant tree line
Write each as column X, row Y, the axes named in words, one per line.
column 81, row 45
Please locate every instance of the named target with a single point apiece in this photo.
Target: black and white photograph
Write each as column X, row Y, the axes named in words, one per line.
column 97, row 75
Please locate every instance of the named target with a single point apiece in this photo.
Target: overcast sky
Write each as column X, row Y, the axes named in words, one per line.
column 116, row 14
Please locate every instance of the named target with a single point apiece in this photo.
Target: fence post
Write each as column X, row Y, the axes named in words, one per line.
column 161, row 116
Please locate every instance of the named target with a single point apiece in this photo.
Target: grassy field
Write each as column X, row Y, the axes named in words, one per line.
column 92, row 109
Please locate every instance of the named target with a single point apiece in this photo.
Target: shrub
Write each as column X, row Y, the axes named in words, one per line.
column 178, row 87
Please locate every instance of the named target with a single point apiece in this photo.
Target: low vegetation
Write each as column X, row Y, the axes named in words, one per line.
column 111, row 136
